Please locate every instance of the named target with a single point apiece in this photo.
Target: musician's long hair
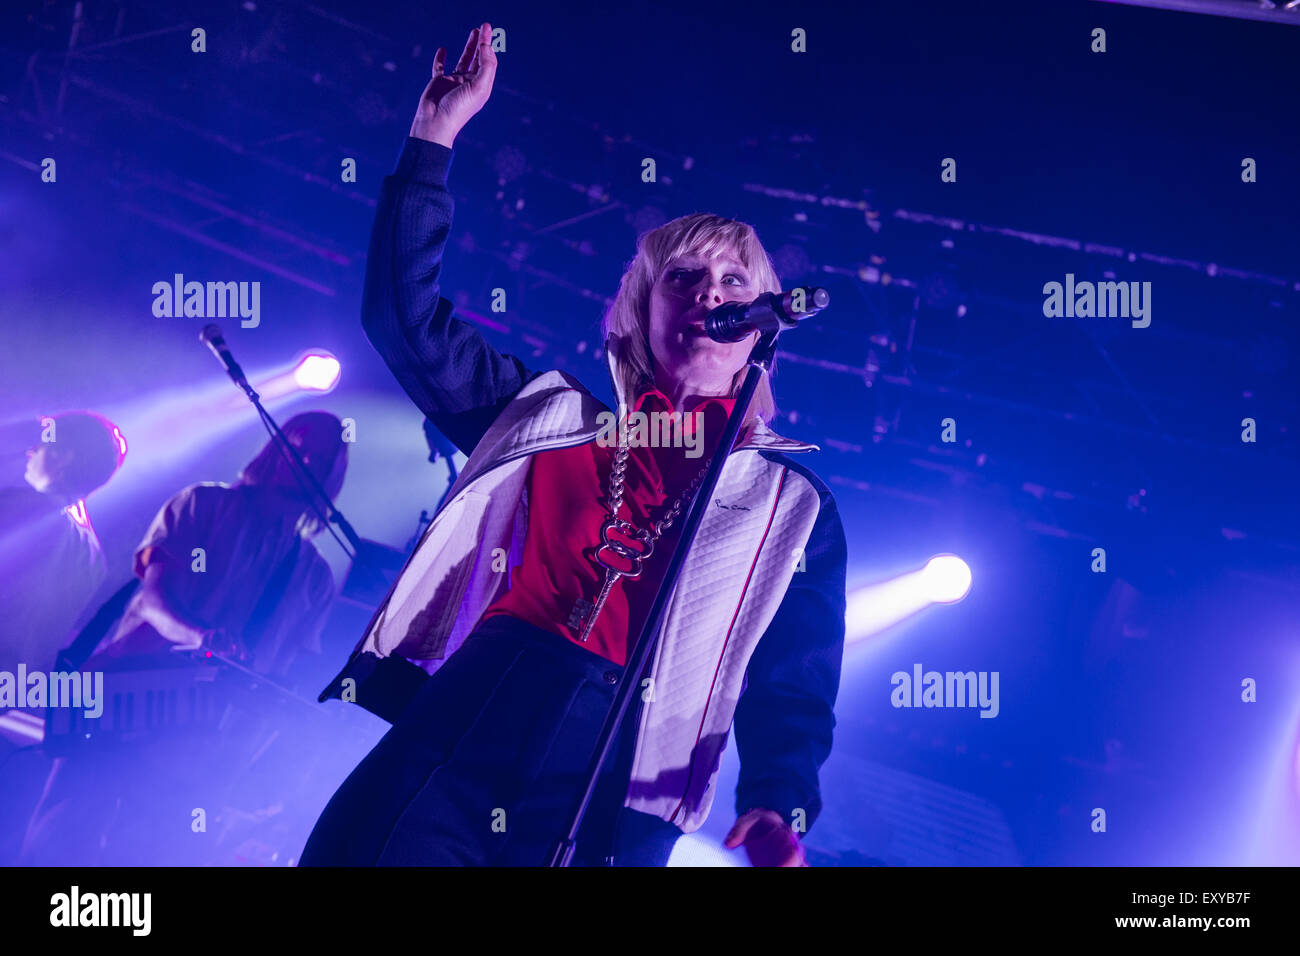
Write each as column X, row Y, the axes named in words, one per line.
column 318, row 437
column 626, row 326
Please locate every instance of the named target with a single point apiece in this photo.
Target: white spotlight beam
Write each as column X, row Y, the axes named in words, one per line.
column 876, row 607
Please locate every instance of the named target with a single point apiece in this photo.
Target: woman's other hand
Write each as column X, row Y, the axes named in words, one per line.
column 767, row 839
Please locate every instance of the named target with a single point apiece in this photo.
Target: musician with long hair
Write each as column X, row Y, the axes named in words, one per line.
column 211, row 550
column 499, row 649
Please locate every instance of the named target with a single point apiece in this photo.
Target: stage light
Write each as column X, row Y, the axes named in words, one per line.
column 317, row 372
column 946, row 578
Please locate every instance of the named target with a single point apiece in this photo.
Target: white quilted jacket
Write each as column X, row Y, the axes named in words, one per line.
column 728, row 592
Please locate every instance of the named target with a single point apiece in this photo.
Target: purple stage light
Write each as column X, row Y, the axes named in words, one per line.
column 317, row 372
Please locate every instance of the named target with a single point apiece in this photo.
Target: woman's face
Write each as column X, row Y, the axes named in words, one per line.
column 685, row 290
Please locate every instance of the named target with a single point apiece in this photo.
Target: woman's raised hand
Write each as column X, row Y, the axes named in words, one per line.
column 450, row 100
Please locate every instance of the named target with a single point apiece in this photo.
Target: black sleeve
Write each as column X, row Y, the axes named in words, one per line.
column 785, row 717
column 459, row 381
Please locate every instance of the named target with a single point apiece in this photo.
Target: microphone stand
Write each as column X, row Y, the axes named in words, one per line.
column 332, row 514
column 759, row 361
column 371, row 560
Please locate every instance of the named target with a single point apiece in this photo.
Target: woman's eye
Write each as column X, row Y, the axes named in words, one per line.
column 675, row 273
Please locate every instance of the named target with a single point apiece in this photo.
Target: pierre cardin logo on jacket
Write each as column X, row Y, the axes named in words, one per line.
column 724, row 507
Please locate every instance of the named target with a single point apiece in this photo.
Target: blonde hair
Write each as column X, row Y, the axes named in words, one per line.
column 626, row 326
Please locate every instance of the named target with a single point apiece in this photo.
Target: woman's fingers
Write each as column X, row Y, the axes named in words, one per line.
column 439, row 61
column 467, row 57
column 738, row 832
column 485, row 60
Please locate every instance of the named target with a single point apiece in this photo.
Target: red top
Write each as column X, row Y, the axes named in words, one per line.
column 568, row 490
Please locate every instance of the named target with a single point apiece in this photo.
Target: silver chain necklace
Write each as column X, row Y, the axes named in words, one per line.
column 584, row 613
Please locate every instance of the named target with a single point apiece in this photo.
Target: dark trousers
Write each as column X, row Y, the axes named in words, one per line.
column 484, row 766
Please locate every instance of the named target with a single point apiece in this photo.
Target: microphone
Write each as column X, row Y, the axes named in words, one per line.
column 770, row 312
column 211, row 337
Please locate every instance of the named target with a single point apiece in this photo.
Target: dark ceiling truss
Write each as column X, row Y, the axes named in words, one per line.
column 895, row 342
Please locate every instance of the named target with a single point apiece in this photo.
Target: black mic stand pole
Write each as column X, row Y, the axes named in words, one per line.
column 759, row 361
column 335, row 516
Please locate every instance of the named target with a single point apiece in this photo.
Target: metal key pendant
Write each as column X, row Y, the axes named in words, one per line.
column 612, row 574
column 610, row 577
